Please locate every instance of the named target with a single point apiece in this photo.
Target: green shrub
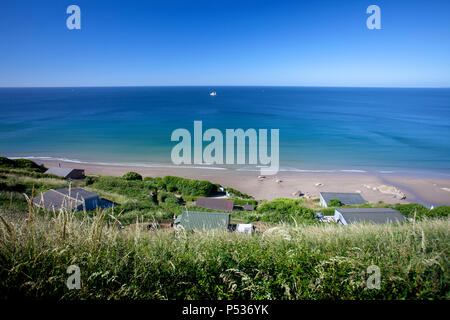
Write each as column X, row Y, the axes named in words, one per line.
column 327, row 211
column 132, row 176
column 283, row 210
column 25, row 183
column 28, row 173
column 189, row 198
column 21, row 164
column 5, row 162
column 439, row 212
column 282, row 205
column 138, row 206
column 237, row 194
column 242, row 202
column 190, row 188
column 167, row 197
column 335, row 203
column 89, row 180
column 412, row 209
column 131, row 189
column 13, row 187
column 186, row 186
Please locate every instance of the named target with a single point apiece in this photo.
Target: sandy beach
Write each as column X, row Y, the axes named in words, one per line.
column 388, row 188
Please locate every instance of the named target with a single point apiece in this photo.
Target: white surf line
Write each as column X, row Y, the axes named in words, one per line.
column 118, row 164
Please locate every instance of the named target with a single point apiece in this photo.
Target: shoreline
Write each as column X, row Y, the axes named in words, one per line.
column 411, row 172
column 387, row 187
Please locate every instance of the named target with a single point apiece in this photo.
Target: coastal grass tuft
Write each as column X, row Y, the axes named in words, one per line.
column 323, row 261
column 22, row 183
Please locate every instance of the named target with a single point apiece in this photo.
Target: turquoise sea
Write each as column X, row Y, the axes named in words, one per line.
column 321, row 129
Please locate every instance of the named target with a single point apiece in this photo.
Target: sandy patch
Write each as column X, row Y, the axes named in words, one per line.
column 295, row 184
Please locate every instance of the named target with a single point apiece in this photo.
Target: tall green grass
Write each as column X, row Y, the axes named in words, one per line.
column 324, row 261
column 17, row 182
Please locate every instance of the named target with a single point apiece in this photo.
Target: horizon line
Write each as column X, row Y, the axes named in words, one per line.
column 213, row 86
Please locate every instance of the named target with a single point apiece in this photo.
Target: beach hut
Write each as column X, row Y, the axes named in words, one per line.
column 67, row 173
column 347, row 216
column 74, row 199
column 345, row 198
column 215, row 204
column 194, row 220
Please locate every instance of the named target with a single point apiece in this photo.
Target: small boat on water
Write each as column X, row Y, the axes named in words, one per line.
column 213, row 94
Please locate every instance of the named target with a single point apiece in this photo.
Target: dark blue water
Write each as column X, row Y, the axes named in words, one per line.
column 367, row 129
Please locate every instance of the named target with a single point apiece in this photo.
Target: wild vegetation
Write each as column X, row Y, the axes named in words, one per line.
column 324, row 261
column 335, row 203
column 161, row 198
column 132, row 176
column 418, row 211
column 21, row 164
column 296, row 258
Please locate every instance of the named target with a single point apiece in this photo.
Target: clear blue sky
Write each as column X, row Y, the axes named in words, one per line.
column 225, row 42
